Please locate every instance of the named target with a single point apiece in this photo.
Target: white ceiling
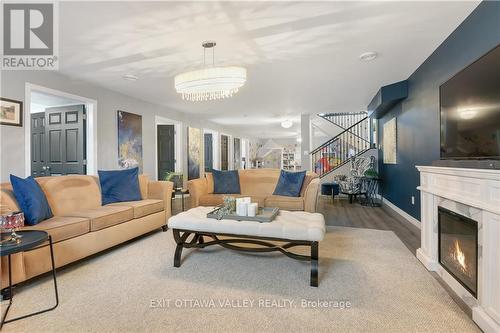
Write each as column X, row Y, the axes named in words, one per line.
column 42, row 100
column 301, row 57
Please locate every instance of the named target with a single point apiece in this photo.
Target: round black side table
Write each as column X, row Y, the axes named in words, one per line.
column 182, row 192
column 30, row 239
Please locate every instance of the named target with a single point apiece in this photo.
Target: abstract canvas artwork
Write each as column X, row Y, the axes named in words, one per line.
column 129, row 140
column 194, row 152
column 237, row 153
column 389, row 143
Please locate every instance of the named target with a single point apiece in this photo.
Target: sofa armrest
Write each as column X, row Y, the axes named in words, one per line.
column 311, row 196
column 162, row 190
column 197, row 188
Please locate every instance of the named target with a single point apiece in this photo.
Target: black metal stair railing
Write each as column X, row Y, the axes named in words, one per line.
column 344, row 119
column 337, row 151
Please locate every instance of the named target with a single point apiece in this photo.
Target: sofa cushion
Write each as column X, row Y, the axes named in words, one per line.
column 289, row 183
column 258, row 181
column 143, row 207
column 259, row 199
column 70, row 193
column 217, row 199
column 226, row 182
column 285, row 203
column 31, row 199
column 63, row 227
column 211, row 199
column 119, row 185
column 106, row 216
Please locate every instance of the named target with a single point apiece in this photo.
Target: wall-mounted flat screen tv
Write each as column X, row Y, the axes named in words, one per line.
column 470, row 111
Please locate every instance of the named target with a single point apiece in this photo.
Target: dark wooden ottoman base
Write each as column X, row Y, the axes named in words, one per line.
column 181, row 238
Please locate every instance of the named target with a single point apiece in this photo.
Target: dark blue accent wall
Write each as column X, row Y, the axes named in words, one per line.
column 418, row 115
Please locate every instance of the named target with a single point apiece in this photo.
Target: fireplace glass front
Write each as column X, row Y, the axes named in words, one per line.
column 458, row 247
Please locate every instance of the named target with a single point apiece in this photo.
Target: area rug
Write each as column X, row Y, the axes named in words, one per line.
column 369, row 282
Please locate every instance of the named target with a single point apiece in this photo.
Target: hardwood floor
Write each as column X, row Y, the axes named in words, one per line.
column 342, row 213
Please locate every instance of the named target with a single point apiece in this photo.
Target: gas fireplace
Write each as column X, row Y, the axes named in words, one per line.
column 461, row 236
column 458, row 247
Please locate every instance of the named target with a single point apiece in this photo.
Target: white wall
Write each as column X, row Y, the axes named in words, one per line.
column 306, row 144
column 325, row 127
column 318, row 138
column 12, row 141
column 291, row 143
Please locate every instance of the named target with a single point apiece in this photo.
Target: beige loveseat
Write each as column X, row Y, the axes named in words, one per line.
column 258, row 184
column 81, row 226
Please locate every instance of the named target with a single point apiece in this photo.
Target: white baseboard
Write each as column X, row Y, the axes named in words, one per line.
column 484, row 320
column 404, row 214
column 430, row 264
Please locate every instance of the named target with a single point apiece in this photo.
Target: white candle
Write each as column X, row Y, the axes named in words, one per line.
column 252, row 209
column 241, row 208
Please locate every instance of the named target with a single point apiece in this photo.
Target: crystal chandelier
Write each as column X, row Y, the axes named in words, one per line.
column 210, row 83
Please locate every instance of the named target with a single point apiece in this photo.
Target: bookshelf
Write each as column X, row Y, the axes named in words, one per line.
column 289, row 160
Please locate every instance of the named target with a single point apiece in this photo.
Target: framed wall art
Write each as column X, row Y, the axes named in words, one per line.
column 11, row 112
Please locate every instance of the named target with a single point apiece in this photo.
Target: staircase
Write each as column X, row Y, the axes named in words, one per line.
column 344, row 119
column 353, row 141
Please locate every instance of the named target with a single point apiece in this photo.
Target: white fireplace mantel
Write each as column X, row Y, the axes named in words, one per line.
column 474, row 193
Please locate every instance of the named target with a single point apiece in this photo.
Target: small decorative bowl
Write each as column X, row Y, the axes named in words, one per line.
column 11, row 222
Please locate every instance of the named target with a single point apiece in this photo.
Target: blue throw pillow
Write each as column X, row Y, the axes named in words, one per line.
column 119, row 185
column 31, row 200
column 226, row 182
column 290, row 183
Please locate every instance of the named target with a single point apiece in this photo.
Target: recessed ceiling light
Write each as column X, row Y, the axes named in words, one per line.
column 467, row 114
column 368, row 56
column 286, row 124
column 130, row 77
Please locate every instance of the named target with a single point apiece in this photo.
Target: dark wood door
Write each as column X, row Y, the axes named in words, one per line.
column 224, row 152
column 166, row 149
column 209, row 152
column 38, row 142
column 65, row 148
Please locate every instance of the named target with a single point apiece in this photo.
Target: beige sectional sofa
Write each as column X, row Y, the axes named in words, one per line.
column 258, row 184
column 81, row 226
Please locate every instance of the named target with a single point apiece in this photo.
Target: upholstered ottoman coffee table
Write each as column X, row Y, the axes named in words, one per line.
column 293, row 228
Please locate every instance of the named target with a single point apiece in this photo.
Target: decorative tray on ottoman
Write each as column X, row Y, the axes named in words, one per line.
column 266, row 214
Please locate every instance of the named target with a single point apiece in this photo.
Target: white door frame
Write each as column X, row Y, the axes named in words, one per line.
column 177, row 142
column 91, row 133
column 244, row 151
